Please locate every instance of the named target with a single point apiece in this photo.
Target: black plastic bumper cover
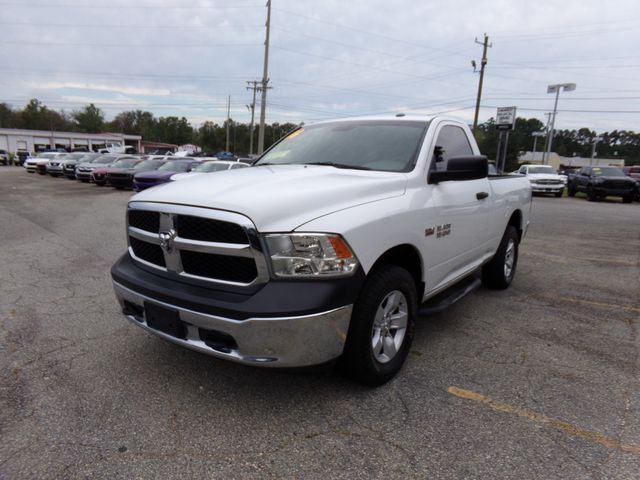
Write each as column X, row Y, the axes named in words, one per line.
column 277, row 298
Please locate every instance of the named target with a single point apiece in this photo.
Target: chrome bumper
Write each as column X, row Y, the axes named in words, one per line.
column 270, row 342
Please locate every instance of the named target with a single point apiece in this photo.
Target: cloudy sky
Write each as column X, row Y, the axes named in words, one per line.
column 328, row 59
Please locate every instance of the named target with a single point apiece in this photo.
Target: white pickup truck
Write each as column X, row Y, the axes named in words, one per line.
column 328, row 247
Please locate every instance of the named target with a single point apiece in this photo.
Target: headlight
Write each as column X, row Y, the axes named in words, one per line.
column 532, row 180
column 310, row 255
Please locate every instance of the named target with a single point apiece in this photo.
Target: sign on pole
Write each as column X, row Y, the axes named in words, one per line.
column 506, row 118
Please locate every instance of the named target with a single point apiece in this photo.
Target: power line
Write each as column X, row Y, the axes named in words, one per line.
column 162, row 27
column 128, row 45
column 120, row 6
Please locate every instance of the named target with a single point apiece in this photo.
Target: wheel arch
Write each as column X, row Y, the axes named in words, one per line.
column 408, row 257
column 516, row 221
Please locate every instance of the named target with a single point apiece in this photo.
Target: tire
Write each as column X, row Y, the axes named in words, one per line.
column 627, row 198
column 571, row 191
column 559, row 194
column 499, row 272
column 377, row 344
column 591, row 194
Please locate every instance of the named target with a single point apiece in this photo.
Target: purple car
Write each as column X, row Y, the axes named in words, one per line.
column 163, row 174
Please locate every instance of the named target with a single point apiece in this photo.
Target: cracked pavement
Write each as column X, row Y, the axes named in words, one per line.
column 84, row 394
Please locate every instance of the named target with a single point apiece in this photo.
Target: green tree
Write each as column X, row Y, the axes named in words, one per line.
column 89, row 119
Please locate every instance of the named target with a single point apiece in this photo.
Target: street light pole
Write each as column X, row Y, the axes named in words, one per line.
column 594, row 142
column 535, row 136
column 567, row 87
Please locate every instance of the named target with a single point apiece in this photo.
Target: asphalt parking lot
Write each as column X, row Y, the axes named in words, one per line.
column 539, row 381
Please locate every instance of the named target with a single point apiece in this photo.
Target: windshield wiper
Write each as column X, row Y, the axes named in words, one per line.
column 339, row 165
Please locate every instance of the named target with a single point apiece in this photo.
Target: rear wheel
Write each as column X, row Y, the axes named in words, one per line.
column 627, row 198
column 499, row 272
column 382, row 326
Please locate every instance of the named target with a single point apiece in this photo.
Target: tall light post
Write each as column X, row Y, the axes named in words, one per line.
column 567, row 87
column 535, row 136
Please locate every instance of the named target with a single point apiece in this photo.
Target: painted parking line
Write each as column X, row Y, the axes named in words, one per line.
column 541, row 419
column 572, row 259
column 595, row 304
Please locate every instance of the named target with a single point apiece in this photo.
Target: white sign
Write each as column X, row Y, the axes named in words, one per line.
column 506, row 118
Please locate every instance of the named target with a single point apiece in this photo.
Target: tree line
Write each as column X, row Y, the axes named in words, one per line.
column 211, row 136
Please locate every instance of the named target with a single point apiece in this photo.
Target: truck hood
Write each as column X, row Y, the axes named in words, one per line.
column 280, row 198
column 544, row 176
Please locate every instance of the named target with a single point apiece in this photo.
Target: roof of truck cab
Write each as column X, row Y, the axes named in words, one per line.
column 386, row 118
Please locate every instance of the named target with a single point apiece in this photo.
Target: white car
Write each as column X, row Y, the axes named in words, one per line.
column 210, row 167
column 331, row 245
column 544, row 179
column 32, row 162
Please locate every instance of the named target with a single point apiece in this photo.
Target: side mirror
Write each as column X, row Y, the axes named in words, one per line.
column 462, row 168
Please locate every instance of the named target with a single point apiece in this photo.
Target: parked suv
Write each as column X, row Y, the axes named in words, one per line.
column 600, row 182
column 4, row 157
column 145, row 180
column 42, row 159
column 55, row 166
column 544, row 179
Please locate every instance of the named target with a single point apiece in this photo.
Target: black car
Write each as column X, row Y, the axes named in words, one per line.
column 123, row 177
column 600, row 182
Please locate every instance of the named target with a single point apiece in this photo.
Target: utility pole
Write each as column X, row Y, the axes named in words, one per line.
column 228, row 121
column 485, row 44
column 252, row 108
column 265, row 81
column 594, row 142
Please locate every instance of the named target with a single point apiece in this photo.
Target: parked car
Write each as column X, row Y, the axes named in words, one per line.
column 123, row 177
column 55, row 167
column 544, row 179
column 42, row 159
column 4, row 157
column 600, row 182
column 327, row 247
column 84, row 170
column 163, row 174
column 99, row 175
column 634, row 173
column 69, row 164
column 209, row 167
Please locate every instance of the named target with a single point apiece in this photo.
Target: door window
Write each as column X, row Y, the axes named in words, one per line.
column 451, row 142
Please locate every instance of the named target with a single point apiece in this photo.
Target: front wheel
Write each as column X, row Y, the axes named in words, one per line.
column 591, row 194
column 627, row 198
column 559, row 194
column 382, row 326
column 501, row 269
column 571, row 191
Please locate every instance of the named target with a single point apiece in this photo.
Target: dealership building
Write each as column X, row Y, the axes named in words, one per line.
column 14, row 140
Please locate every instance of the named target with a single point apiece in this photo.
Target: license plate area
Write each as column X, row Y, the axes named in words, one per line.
column 165, row 320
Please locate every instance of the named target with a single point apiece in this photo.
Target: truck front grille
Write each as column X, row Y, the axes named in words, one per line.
column 209, row 230
column 147, row 251
column 209, row 265
column 196, row 245
column 144, row 220
column 549, row 182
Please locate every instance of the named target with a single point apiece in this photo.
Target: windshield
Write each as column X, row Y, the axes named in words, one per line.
column 105, row 159
column 149, row 165
column 89, row 157
column 48, row 156
column 211, row 167
column 390, row 146
column 125, row 163
column 175, row 166
column 550, row 170
column 607, row 172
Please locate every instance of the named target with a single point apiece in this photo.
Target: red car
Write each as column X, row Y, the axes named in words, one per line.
column 99, row 175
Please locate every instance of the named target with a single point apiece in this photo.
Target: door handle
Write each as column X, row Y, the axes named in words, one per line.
column 481, row 195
